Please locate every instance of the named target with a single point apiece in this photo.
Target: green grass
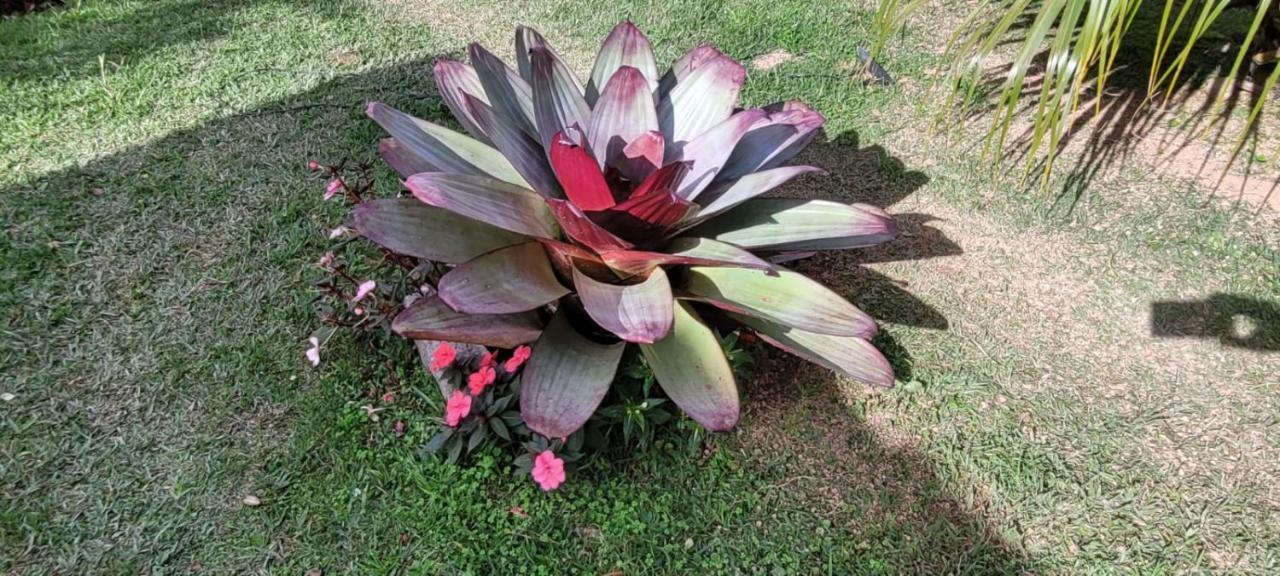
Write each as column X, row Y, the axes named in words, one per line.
column 160, row 230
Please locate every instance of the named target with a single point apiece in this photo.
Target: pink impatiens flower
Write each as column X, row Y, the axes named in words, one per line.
column 326, row 260
column 313, row 353
column 332, row 188
column 312, row 165
column 548, row 471
column 489, row 358
column 481, row 378
column 456, row 408
column 517, row 358
column 443, row 357
column 364, row 289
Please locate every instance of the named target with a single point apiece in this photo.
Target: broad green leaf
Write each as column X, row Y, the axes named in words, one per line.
column 849, row 355
column 794, row 224
column 514, row 279
column 443, row 148
column 633, row 312
column 713, row 251
column 566, row 378
column 431, row 319
column 407, row 226
column 495, row 202
column 785, row 297
column 691, row 367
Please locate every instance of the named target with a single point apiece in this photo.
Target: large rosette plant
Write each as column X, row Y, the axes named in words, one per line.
column 583, row 219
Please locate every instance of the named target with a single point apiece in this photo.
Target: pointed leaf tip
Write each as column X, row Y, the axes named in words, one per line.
column 692, row 369
column 566, row 377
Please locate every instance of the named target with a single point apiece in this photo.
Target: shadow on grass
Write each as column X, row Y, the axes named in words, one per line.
column 1179, row 130
column 871, row 175
column 197, row 248
column 896, row 507
column 1234, row 320
column 810, row 428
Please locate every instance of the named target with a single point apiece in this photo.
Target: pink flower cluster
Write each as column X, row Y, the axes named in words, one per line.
column 548, row 470
column 458, row 405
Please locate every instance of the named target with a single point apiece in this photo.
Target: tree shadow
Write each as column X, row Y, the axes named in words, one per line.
column 1234, row 320
column 128, row 34
column 1179, row 130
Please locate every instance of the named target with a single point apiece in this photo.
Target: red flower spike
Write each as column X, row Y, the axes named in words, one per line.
column 578, row 172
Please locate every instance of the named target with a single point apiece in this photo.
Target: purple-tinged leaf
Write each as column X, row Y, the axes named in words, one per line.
column 625, row 45
column 431, row 319
column 772, row 142
column 708, row 250
column 641, row 157
column 633, row 312
column 783, row 296
column 520, row 147
column 851, row 356
column 566, row 257
column 457, row 81
column 491, row 201
column 557, row 97
column 725, row 195
column 445, row 149
column 795, row 224
column 692, row 369
column 514, row 279
column 526, row 40
column 633, row 263
column 623, row 114
column 510, row 95
column 407, row 226
column 578, row 172
column 708, row 152
column 582, row 230
column 402, row 159
column 566, row 378
column 683, row 67
column 706, row 96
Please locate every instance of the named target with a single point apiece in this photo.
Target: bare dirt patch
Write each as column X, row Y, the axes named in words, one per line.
column 771, row 60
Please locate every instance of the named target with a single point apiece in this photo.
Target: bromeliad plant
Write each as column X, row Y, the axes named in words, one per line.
column 583, row 219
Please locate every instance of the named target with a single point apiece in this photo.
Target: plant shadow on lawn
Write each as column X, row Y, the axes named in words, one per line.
column 212, row 289
column 811, row 426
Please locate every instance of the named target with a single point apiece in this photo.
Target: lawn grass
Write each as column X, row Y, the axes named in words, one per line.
column 160, row 235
